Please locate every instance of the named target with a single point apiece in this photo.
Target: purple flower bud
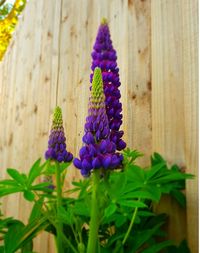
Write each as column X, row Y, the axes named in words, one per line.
column 77, row 163
column 96, row 164
column 107, row 162
column 121, row 145
column 85, row 173
column 88, row 138
column 83, row 152
column 86, row 165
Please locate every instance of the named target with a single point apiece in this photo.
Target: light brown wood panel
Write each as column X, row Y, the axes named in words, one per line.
column 174, row 99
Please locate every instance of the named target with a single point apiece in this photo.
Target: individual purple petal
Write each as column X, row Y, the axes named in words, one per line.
column 88, row 138
column 106, row 162
column 85, row 173
column 96, row 163
column 86, row 164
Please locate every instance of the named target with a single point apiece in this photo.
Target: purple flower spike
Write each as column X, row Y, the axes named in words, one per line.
column 98, row 150
column 56, row 145
column 104, row 56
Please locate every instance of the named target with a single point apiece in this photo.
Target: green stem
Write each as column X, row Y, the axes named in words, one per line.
column 59, row 227
column 130, row 226
column 94, row 220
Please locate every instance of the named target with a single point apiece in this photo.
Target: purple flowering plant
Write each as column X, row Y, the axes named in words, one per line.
column 110, row 208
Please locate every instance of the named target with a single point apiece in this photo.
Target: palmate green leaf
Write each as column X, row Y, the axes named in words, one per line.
column 156, row 158
column 8, row 182
column 19, row 178
column 25, row 234
column 110, row 210
column 41, row 187
column 35, row 172
column 11, row 235
column 82, row 209
column 131, row 203
column 156, row 171
column 139, row 195
column 120, row 220
column 136, row 174
column 179, row 196
column 143, row 236
column 154, row 190
column 36, row 212
column 117, row 183
column 9, row 190
column 158, row 247
column 29, row 195
column 172, row 176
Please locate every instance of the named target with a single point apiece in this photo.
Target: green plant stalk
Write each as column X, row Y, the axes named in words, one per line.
column 59, row 227
column 94, row 220
column 130, row 226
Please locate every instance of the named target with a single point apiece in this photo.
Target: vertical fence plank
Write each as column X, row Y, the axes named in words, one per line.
column 138, row 86
column 174, row 99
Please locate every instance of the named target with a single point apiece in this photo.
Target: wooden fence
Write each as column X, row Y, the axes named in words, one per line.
column 48, row 63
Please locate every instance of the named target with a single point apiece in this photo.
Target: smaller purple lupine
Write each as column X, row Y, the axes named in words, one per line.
column 56, row 146
column 104, row 56
column 99, row 151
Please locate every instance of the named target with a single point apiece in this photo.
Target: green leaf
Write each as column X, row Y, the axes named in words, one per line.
column 12, row 236
column 36, row 210
column 131, row 203
column 143, row 236
column 120, row 220
column 8, row 182
column 35, row 172
column 157, row 247
column 25, row 235
column 29, row 195
column 135, row 174
column 145, row 213
column 180, row 197
column 17, row 176
column 110, row 210
column 156, row 170
column 139, row 195
column 42, row 187
column 9, row 190
column 156, row 158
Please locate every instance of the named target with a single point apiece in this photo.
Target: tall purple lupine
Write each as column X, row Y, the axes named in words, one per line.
column 104, row 56
column 56, row 146
column 99, row 151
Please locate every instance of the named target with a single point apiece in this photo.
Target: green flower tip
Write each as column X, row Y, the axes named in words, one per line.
column 104, row 21
column 57, row 117
column 97, row 83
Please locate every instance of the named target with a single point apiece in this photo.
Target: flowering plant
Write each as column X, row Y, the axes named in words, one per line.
column 112, row 208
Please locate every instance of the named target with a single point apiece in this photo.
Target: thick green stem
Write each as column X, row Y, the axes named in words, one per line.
column 130, row 226
column 94, row 220
column 59, row 226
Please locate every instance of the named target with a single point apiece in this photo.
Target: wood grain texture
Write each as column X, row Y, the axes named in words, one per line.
column 48, row 63
column 174, row 99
